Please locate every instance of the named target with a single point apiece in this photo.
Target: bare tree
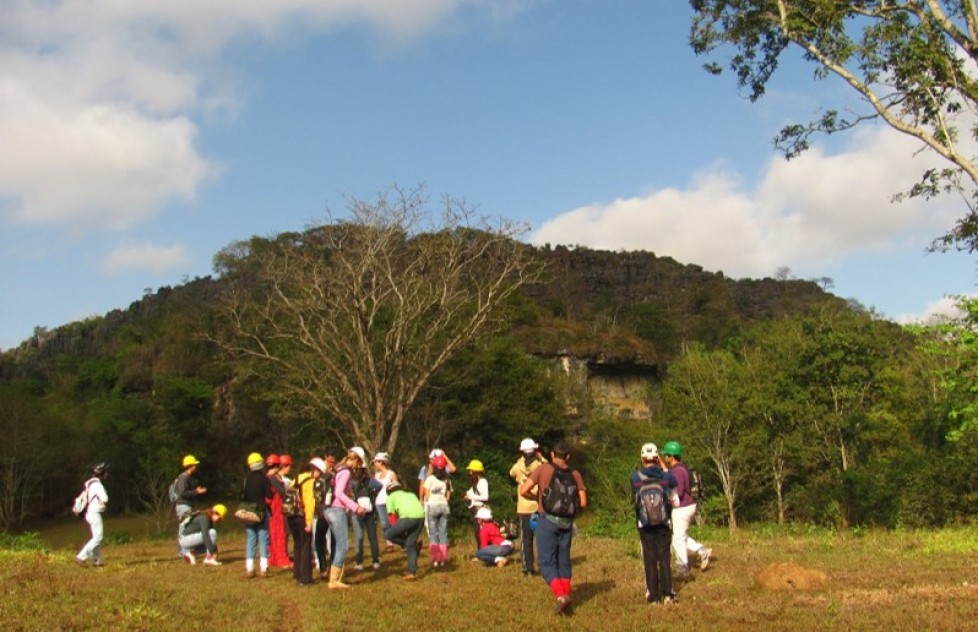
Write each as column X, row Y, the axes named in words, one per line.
column 349, row 320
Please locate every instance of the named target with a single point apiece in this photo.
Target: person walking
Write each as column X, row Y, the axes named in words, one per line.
column 186, row 492
column 278, row 554
column 338, row 513
column 384, row 475
column 198, row 535
column 529, row 460
column 651, row 488
column 301, row 523
column 257, row 491
column 494, row 547
column 560, row 493
column 409, row 511
column 477, row 495
column 683, row 513
column 436, row 492
column 98, row 498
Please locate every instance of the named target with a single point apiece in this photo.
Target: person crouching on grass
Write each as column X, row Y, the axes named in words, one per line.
column 409, row 512
column 198, row 535
column 493, row 547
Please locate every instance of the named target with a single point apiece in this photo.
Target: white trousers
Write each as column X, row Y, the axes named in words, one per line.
column 682, row 544
column 93, row 548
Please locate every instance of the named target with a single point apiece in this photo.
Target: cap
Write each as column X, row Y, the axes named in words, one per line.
column 528, row 445
column 484, row 513
column 436, row 452
column 393, row 485
column 649, row 450
column 383, row 457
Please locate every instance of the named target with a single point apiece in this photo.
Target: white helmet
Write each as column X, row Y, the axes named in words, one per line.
column 528, row 445
column 484, row 513
column 649, row 451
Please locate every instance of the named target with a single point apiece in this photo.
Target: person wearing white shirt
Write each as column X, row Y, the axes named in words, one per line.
column 98, row 498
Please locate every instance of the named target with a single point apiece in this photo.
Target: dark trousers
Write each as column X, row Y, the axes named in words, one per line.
column 302, row 559
column 526, row 542
column 320, row 532
column 405, row 532
column 655, row 558
column 553, row 550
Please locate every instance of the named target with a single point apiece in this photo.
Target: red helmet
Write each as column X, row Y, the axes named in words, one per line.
column 439, row 462
column 272, row 460
column 284, row 460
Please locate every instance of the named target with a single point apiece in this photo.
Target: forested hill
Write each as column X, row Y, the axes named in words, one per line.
column 595, row 304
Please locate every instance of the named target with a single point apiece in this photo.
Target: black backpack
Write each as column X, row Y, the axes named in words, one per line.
column 651, row 502
column 560, row 498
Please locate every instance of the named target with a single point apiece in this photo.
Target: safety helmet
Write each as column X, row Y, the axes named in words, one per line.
column 484, row 513
column 528, row 445
column 361, row 454
column 672, row 448
column 439, row 462
column 255, row 458
column 436, row 452
column 220, row 510
column 318, row 463
column 475, row 465
column 382, row 457
column 272, row 460
column 189, row 460
column 284, row 460
column 649, row 451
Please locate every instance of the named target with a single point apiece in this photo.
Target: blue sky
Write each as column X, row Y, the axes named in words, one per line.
column 140, row 138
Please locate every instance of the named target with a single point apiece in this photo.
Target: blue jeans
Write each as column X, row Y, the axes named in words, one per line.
column 385, row 520
column 405, row 532
column 488, row 554
column 256, row 534
column 195, row 541
column 368, row 523
column 438, row 524
column 553, row 550
column 339, row 530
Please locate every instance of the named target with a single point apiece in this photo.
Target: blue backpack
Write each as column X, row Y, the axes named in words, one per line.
column 651, row 502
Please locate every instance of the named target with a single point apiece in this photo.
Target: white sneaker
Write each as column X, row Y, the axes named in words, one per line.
column 358, row 567
column 190, row 557
column 705, row 554
column 212, row 561
column 376, row 566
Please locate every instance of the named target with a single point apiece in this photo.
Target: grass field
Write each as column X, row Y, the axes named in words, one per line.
column 876, row 581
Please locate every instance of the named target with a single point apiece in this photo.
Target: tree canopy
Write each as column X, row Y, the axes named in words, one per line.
column 912, row 63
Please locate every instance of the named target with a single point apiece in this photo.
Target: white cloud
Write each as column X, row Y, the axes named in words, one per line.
column 806, row 214
column 149, row 257
column 98, row 97
column 942, row 310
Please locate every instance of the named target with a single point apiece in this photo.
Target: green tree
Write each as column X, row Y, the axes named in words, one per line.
column 703, row 394
column 909, row 61
column 346, row 323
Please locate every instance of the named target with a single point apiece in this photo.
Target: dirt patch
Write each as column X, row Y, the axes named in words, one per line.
column 786, row 576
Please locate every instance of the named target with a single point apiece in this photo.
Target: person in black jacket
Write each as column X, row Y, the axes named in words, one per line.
column 257, row 490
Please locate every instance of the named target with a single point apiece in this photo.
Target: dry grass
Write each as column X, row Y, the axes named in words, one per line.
column 875, row 580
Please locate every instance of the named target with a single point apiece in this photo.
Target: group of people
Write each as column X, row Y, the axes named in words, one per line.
column 329, row 494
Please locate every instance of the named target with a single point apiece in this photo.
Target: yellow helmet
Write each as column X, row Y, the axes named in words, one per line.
column 254, row 458
column 189, row 460
column 220, row 510
column 475, row 465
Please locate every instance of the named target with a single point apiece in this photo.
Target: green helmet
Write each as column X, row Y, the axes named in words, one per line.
column 672, row 448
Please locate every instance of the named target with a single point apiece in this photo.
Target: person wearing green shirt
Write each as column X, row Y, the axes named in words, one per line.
column 407, row 529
